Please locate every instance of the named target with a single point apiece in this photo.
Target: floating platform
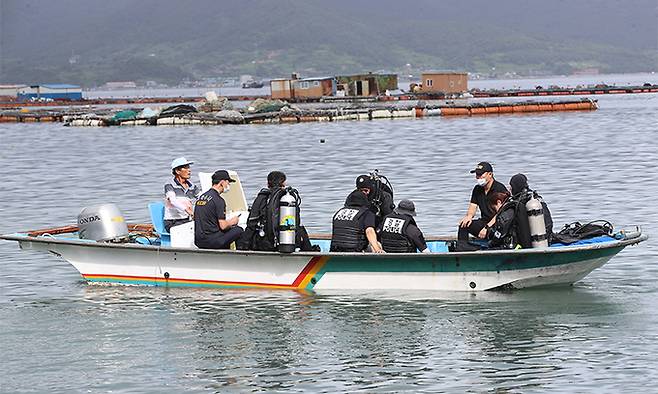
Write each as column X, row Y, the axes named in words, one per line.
column 121, row 101
column 288, row 115
column 30, row 117
column 558, row 91
column 47, row 116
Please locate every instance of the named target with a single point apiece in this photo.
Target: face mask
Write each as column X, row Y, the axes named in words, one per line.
column 481, row 181
column 227, row 188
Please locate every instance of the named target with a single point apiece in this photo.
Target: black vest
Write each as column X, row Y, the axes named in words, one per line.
column 393, row 233
column 512, row 226
column 255, row 237
column 347, row 234
column 502, row 233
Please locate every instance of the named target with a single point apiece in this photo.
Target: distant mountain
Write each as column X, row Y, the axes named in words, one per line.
column 93, row 41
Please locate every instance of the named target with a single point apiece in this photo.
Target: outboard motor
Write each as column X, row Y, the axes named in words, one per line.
column 536, row 222
column 102, row 223
column 287, row 221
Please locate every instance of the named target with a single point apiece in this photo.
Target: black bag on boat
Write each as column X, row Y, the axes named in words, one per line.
column 574, row 232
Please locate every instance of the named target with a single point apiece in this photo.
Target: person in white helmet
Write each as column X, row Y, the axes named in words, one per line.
column 179, row 194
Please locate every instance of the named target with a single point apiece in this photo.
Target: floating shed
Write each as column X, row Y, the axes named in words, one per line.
column 281, row 88
column 51, row 91
column 366, row 84
column 447, row 82
column 306, row 88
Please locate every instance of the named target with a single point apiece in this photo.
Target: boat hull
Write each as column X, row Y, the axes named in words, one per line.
column 176, row 267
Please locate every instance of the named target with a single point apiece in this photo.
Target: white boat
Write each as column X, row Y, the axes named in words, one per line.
column 156, row 265
column 149, row 260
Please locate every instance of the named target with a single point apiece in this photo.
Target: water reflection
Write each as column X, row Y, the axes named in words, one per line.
column 368, row 342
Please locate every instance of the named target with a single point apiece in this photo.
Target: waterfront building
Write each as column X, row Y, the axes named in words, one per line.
column 366, row 84
column 50, row 91
column 304, row 88
column 447, row 82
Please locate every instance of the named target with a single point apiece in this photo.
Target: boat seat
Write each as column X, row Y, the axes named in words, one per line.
column 437, row 246
column 324, row 244
column 434, row 246
column 156, row 209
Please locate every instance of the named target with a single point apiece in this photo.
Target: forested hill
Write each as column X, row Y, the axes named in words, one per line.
column 94, row 41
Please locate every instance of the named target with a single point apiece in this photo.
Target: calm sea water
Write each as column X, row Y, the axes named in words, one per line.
column 58, row 334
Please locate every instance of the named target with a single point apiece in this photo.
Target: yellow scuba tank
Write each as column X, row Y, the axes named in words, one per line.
column 287, row 221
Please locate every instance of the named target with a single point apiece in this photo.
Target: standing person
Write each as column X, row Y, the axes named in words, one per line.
column 353, row 226
column 211, row 228
column 399, row 232
column 484, row 177
column 180, row 194
column 261, row 232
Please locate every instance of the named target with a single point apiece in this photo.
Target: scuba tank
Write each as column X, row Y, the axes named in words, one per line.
column 536, row 222
column 381, row 185
column 288, row 206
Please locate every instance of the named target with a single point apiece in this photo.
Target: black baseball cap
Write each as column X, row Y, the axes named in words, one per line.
column 221, row 175
column 363, row 182
column 482, row 167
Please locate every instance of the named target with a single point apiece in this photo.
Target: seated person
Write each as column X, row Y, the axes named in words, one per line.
column 261, row 232
column 353, row 226
column 211, row 229
column 399, row 232
column 501, row 233
column 512, row 228
column 180, row 194
column 380, row 196
column 522, row 192
column 486, row 184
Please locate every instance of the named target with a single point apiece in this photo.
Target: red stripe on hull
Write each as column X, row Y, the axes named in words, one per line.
column 309, row 266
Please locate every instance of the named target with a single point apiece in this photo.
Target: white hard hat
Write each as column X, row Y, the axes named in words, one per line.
column 181, row 161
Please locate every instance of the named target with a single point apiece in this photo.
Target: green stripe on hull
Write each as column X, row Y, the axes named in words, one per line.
column 168, row 284
column 464, row 263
